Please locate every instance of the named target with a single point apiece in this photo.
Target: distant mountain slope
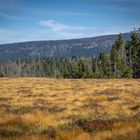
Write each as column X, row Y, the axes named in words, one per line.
column 66, row 48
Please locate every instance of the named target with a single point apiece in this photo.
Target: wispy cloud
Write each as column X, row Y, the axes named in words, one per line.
column 4, row 15
column 58, row 27
column 64, row 30
column 66, row 13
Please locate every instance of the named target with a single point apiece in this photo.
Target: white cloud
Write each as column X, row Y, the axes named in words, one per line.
column 58, row 27
column 64, row 31
column 53, row 25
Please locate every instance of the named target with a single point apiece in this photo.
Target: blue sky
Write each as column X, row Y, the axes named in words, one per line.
column 27, row 20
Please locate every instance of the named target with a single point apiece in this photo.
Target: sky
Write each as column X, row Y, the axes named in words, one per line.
column 32, row 20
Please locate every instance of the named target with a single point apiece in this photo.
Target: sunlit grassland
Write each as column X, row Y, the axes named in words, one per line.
column 69, row 109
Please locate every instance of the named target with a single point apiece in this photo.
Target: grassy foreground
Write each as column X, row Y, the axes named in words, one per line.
column 67, row 109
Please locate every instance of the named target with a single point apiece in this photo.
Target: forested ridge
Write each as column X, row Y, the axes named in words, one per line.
column 90, row 47
column 122, row 62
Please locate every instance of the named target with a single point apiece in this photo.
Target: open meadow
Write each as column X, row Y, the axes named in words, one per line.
column 69, row 109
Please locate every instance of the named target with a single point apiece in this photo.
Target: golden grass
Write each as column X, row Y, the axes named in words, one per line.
column 124, row 130
column 44, row 108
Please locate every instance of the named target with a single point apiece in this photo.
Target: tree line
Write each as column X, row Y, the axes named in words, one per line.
column 122, row 62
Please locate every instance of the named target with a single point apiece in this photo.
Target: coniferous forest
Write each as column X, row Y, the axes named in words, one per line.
column 122, row 62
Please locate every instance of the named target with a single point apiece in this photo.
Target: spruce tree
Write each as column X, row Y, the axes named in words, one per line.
column 118, row 58
column 132, row 49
